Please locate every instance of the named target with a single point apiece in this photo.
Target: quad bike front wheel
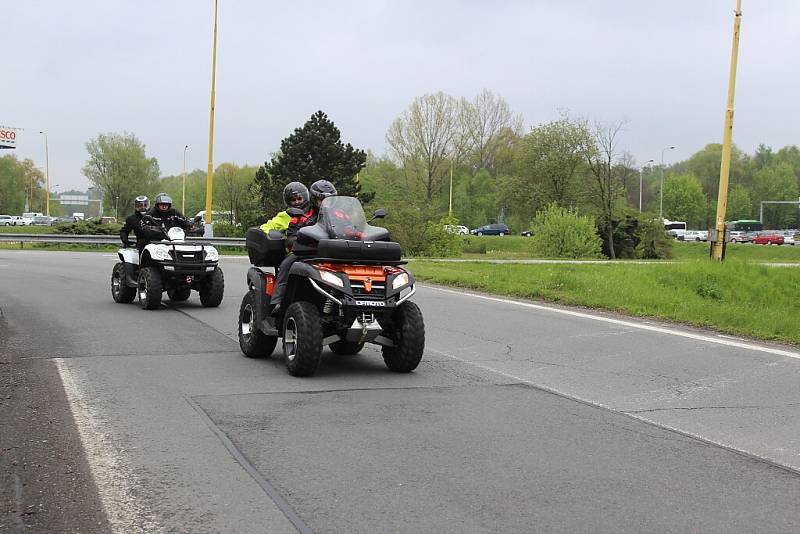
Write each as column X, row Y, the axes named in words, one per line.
column 150, row 288
column 179, row 294
column 253, row 342
column 120, row 290
column 408, row 334
column 302, row 339
column 212, row 289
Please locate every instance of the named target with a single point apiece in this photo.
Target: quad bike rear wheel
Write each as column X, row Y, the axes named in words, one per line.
column 212, row 289
column 302, row 339
column 150, row 288
column 253, row 342
column 120, row 291
column 408, row 334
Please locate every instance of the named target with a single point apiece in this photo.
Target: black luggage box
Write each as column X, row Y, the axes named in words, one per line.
column 264, row 250
column 341, row 249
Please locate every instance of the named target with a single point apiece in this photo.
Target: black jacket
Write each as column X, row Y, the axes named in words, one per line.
column 169, row 218
column 133, row 223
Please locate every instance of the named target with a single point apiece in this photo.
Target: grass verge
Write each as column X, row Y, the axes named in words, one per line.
column 734, row 297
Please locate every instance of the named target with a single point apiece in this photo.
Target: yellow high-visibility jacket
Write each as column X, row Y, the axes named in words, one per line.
column 279, row 222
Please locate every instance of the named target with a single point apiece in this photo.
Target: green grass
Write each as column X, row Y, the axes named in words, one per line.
column 739, row 251
column 27, row 229
column 734, row 297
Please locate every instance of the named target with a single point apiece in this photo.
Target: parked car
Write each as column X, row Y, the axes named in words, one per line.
column 695, row 235
column 452, row 229
column 16, row 220
column 6, row 220
column 526, row 233
column 491, row 229
column 737, row 236
column 789, row 237
column 677, row 233
column 43, row 220
column 768, row 238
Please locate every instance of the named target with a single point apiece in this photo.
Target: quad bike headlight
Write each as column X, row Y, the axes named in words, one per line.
column 331, row 278
column 160, row 252
column 400, row 280
column 211, row 254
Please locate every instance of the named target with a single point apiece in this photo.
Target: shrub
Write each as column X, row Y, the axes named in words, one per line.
column 441, row 243
column 561, row 233
column 637, row 235
column 88, row 227
column 223, row 229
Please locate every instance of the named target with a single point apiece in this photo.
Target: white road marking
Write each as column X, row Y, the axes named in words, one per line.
column 115, row 481
column 630, row 324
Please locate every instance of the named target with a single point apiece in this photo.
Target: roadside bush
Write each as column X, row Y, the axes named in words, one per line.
column 440, row 242
column 223, row 229
column 90, row 227
column 561, row 233
column 637, row 235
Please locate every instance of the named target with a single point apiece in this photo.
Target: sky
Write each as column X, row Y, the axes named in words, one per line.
column 76, row 69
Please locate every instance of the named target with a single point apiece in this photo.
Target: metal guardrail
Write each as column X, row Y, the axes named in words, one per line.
column 107, row 239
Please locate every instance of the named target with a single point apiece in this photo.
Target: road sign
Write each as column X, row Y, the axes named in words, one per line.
column 9, row 136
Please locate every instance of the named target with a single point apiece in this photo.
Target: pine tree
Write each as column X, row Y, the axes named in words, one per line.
column 313, row 152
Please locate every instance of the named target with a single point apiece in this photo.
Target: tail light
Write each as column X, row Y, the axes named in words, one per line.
column 269, row 287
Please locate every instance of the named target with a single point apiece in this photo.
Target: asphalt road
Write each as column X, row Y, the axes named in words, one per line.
column 521, row 418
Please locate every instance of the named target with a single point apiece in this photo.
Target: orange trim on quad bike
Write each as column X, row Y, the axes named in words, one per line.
column 367, row 274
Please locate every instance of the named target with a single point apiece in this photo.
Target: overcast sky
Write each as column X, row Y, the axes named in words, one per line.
column 82, row 67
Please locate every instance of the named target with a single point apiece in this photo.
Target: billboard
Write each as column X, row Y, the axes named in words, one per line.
column 8, row 136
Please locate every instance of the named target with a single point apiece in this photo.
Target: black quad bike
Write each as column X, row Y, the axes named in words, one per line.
column 347, row 288
column 173, row 265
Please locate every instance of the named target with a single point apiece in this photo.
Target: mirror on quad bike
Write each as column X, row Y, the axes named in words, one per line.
column 379, row 213
column 295, row 212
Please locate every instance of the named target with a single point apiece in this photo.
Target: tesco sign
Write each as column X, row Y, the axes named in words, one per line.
column 8, row 137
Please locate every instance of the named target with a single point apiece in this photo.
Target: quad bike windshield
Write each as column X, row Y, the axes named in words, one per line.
column 343, row 218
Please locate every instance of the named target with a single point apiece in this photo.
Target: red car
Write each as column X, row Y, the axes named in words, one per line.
column 768, row 239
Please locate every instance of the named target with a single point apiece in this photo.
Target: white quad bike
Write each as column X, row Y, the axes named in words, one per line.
column 172, row 265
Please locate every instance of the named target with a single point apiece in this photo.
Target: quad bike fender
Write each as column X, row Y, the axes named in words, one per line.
column 256, row 279
column 129, row 256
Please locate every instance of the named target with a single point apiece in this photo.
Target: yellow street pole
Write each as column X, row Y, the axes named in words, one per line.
column 718, row 237
column 47, row 172
column 450, row 212
column 209, row 230
column 183, row 193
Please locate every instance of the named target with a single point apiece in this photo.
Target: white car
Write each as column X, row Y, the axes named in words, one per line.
column 16, row 220
column 5, row 220
column 459, row 230
column 695, row 235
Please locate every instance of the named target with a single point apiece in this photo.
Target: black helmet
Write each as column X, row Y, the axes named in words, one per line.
column 296, row 195
column 322, row 189
column 163, row 198
column 141, row 204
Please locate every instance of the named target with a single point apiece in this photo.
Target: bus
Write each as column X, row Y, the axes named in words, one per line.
column 675, row 228
column 745, row 225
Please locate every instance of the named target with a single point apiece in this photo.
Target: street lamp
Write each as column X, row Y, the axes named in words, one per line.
column 47, row 172
column 640, row 182
column 661, row 192
column 116, row 207
column 183, row 196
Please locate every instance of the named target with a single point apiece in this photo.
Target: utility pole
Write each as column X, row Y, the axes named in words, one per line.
column 209, row 229
column 47, row 172
column 717, row 236
column 183, row 194
column 450, row 212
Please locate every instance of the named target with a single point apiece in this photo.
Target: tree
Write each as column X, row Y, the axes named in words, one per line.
column 313, row 152
column 550, row 160
column 601, row 157
column 21, row 186
column 119, row 167
column 425, row 137
column 740, row 205
column 684, row 200
column 485, row 123
column 705, row 166
column 776, row 182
